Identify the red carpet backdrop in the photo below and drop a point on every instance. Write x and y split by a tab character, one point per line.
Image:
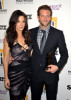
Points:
61	20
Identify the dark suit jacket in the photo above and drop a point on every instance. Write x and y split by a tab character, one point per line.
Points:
55	40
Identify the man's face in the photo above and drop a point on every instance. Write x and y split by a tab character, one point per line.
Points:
44	18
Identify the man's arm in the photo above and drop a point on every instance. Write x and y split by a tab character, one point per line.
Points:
63	55
63	51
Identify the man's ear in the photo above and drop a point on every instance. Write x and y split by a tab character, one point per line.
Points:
51	17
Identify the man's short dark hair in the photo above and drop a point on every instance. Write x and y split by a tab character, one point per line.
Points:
45	7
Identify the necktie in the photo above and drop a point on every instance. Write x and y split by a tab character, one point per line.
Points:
43	40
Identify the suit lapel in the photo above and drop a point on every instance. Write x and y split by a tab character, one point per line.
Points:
35	40
47	44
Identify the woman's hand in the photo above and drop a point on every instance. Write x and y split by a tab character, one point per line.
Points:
31	52
7	83
11	59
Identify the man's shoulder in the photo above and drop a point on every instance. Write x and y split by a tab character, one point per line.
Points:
33	29
55	29
58	33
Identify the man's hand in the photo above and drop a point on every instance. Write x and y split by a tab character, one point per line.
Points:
52	68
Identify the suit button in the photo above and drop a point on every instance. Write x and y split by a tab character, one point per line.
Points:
40	65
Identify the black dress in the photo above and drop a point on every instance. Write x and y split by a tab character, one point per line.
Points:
19	71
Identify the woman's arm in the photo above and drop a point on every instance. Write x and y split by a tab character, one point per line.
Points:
6	62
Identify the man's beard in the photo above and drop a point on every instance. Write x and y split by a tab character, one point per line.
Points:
45	25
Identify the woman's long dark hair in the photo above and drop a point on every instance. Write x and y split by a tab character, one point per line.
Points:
11	33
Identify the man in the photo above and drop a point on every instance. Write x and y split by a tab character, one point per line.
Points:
53	39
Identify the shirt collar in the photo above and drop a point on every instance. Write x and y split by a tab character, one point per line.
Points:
47	29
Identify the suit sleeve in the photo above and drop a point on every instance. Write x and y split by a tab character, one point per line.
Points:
62	50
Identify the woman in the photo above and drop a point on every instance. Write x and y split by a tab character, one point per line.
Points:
17	43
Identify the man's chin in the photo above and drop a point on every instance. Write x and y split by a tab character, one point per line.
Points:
45	25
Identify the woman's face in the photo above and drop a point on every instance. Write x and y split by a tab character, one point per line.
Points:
20	25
